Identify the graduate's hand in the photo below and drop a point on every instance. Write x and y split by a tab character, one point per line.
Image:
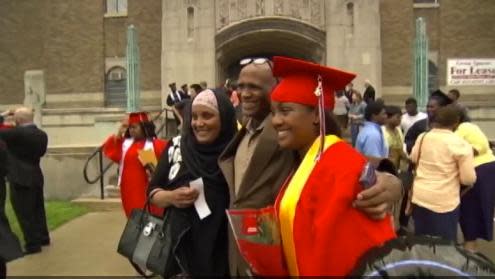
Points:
122	129
183	197
377	200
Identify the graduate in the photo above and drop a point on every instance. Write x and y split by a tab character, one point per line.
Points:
134	135
322	233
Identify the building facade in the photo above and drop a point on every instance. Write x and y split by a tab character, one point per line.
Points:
68	56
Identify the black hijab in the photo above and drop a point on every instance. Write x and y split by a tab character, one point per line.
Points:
202	159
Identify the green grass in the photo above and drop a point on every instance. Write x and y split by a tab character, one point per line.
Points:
57	214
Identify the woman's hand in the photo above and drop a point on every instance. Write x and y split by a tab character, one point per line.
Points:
181	197
122	129
377	200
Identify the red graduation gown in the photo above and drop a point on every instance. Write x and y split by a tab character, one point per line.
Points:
134	180
322	234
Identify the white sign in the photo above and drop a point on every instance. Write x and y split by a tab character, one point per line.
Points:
470	72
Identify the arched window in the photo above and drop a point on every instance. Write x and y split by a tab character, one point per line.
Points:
115	85
432	76
190	23
350	15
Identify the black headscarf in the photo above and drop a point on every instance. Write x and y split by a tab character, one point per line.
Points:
202	159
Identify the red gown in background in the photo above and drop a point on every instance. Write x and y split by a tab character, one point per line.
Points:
322	234
134	180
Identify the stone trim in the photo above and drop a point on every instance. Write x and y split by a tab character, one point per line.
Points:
276	23
114	15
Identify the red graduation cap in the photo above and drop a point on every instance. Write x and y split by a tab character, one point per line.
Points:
300	81
138	117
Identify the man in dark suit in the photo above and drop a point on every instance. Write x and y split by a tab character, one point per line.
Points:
255	166
26	144
369	93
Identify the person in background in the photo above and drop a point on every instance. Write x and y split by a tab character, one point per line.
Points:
203	85
412	115
369	92
317	220
6	119
341	108
184	88
393	136
135	134
477	205
370	141
454	95
26	145
175	100
356	115
349	91
194	90
437	100
444	162
201	248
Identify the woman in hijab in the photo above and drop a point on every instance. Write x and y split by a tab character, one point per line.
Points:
190	159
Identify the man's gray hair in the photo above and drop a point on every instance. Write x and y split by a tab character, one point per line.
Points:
24	115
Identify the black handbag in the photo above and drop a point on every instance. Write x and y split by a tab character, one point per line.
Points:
147	242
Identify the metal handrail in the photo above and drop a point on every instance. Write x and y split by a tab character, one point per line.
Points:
99	152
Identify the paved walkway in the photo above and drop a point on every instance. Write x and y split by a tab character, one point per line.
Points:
86	246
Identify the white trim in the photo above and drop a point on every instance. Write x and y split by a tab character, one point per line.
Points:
426	5
112	15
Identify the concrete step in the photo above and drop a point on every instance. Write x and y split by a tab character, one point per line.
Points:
96	204
112	191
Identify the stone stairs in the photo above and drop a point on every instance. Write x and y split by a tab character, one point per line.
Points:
110	203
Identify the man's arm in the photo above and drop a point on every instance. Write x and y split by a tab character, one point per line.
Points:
377	200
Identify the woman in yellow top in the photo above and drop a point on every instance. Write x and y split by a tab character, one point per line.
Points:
393	136
478	204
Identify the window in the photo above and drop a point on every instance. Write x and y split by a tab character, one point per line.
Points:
116	7
115	85
426	4
190	23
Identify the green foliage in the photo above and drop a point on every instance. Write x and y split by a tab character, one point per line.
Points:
57	214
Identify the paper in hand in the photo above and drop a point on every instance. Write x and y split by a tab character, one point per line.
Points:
200	204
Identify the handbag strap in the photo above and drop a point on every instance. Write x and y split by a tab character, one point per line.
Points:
419	152
419	157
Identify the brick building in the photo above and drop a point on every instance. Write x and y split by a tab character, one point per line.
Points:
79	46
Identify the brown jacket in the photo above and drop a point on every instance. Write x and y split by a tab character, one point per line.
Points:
267	171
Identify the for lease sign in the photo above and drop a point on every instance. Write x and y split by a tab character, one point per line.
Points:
471	71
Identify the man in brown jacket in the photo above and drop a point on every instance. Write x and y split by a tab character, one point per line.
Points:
255	167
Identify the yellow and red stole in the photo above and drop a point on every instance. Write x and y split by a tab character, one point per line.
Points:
322	234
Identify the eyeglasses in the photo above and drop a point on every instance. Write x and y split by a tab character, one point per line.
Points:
256	61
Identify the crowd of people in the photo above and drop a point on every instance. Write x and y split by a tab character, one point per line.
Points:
444	161
274	139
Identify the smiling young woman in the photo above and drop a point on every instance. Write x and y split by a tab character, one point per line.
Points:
322	233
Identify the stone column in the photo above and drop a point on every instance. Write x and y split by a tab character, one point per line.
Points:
353	40
187	59
34	93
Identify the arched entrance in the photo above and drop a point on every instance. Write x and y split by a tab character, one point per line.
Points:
266	37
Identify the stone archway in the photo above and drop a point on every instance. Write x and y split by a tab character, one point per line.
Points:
266	37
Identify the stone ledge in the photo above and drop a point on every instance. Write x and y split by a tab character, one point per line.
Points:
96	204
66	150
